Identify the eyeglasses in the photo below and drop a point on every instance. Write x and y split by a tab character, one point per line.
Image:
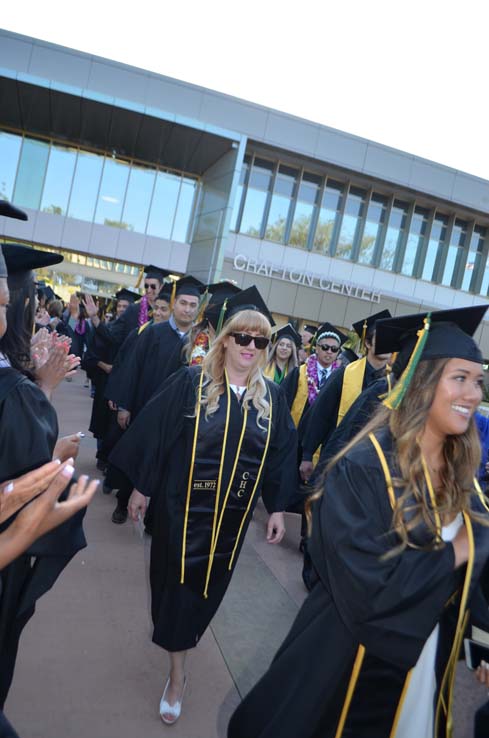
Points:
328	347
244	339
150	286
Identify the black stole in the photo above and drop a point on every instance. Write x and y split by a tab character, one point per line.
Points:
221	492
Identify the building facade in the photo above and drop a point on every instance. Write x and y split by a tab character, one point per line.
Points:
119	167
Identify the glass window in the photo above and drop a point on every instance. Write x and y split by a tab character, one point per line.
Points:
454	253
9	156
307	200
436	244
354	209
59	175
474	257
184	210
395	230
164	204
239	194
85	185
376	215
280	206
112	192
138	198
415	240
30	175
328	216
256	197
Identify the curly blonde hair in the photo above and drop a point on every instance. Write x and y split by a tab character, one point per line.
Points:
461	454
213	366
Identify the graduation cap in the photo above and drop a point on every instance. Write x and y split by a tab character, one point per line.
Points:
249	299
366	326
165	292
154	272
25	259
189	285
125	294
48	293
288	331
326	330
10	211
310	328
220	291
444	334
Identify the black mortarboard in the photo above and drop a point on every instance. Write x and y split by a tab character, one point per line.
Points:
165	292
125	294
310	328
328	330
443	334
154	272
220	291
10	211
288	331
25	259
365	326
48	292
249	299
189	285
3	266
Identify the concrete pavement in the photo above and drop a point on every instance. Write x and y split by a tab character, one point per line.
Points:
86	665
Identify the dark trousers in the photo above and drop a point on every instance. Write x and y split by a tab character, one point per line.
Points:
481	722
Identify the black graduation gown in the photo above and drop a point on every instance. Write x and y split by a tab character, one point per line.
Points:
388	606
146	366
155	453
28	433
321	421
98	350
116	332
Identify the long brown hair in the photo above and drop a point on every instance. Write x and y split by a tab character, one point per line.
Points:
292	361
213	365
461	455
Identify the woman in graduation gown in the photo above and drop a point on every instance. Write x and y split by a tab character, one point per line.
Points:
283	356
373	650
28	435
214	438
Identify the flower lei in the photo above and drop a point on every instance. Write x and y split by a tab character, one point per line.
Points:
200	349
313	378
143	316
81	327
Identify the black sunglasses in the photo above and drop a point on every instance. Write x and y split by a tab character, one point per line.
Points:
328	347
244	339
150	286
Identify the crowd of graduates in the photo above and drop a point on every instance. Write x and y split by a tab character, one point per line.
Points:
200	406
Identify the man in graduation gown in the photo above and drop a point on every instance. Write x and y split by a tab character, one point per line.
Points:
136	314
338	395
146	366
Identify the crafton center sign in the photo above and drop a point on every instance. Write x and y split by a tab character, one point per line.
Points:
244	263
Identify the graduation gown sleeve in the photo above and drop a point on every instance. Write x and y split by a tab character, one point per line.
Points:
389	605
289	386
142	450
279	481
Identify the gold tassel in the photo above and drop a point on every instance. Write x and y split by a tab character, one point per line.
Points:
394	399
173	294
364	336
140	278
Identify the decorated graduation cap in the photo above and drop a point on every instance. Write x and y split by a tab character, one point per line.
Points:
288	331
365	327
444	334
25	259
125	294
326	330
10	211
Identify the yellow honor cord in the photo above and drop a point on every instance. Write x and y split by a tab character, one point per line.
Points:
357	665
431	493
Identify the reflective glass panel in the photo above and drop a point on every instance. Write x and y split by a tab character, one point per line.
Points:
474	257
395	229
30	175
239	194
307	199
435	248
454	253
376	213
138	198
354	207
59	175
328	216
85	185
164	204
251	221
9	156
184	210
277	218
112	192
415	240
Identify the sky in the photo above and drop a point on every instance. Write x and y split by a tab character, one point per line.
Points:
409	75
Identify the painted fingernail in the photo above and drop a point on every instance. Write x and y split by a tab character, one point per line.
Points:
68	470
8	489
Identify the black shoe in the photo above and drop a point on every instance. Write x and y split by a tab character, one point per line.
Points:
106	489
119	515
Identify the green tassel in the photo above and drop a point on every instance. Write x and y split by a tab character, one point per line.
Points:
220	322
394	398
